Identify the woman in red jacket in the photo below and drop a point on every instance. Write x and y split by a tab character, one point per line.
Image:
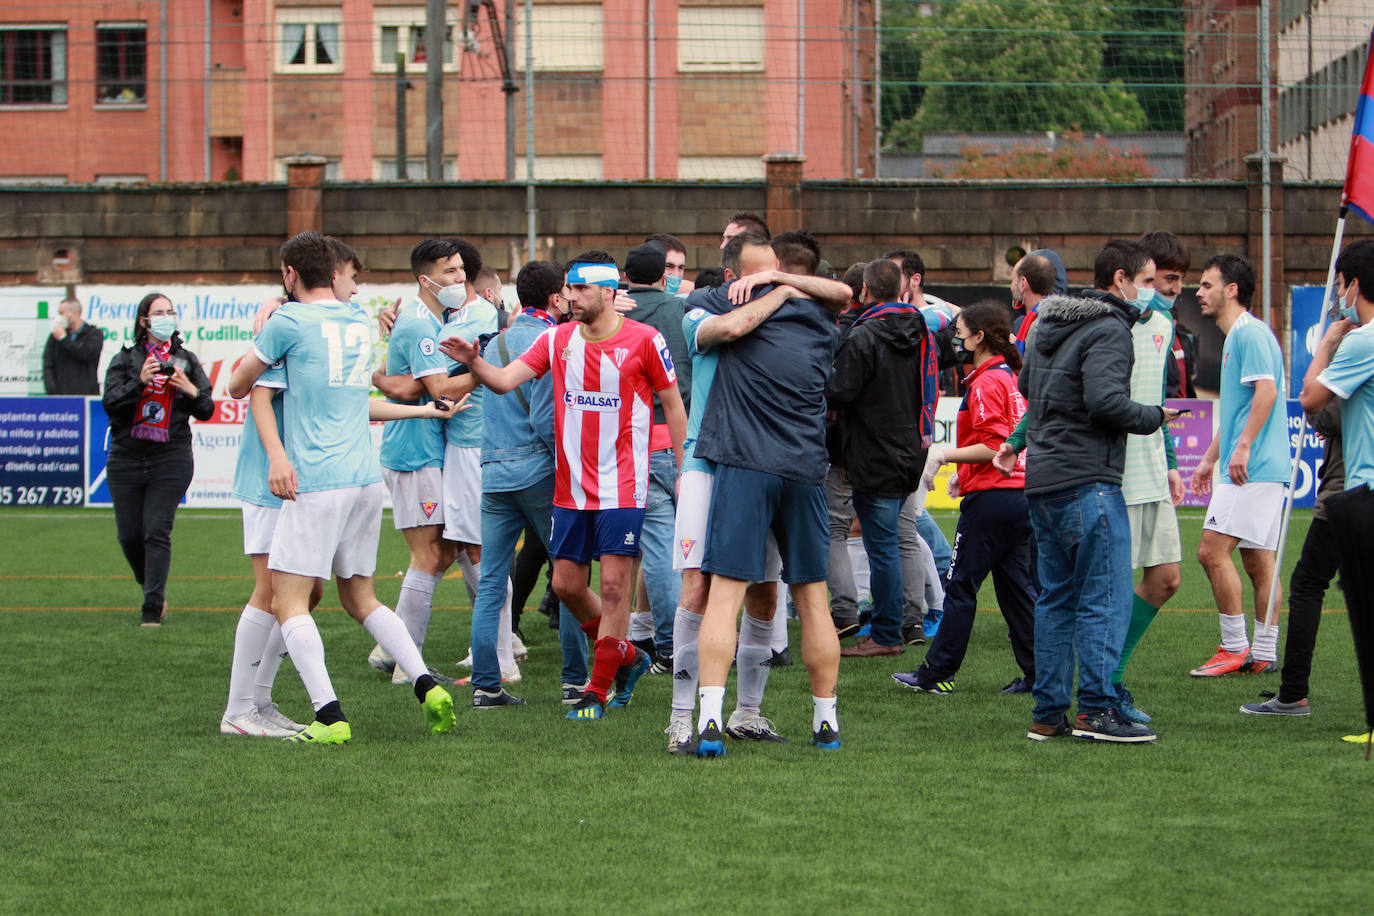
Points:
994	534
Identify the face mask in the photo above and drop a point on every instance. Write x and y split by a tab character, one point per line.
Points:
450	297
672	285
1144	295
961	351
1164	303
1348	311
162	326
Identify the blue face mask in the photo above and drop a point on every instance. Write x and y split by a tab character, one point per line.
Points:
1143	297
1163	303
162	326
672	284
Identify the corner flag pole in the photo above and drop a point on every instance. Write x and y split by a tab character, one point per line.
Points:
1270	607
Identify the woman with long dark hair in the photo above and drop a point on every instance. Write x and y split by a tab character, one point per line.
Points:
152	389
994	534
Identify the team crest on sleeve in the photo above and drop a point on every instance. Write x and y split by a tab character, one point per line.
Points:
666	355
427	346
687	544
697	314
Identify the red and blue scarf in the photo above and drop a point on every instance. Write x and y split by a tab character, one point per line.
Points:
153	420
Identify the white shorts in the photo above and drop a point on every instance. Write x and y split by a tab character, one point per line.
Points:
463	494
1154	534
689	527
329	532
417	497
1251	512
259	522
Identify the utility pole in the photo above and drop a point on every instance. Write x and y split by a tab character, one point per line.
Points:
436	15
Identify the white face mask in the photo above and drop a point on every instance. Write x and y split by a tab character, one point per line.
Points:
450	297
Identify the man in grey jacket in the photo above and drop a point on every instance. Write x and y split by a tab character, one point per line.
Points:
1076	381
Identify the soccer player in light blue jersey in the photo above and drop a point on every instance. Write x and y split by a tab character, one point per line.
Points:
1246	508
327	474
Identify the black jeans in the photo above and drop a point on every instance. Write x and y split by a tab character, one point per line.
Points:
145	493
1351	516
1311	577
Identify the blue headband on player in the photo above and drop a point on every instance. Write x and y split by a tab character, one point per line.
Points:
584	274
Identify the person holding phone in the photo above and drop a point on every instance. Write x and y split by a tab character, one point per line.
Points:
152	390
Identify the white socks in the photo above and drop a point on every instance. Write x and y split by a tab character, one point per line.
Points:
505	649
1266	648
1233	632
250	639
272	656
858	559
394	639
471	574
823	710
712	699
303	641
416	603
751	661
778	642
686	628
641	626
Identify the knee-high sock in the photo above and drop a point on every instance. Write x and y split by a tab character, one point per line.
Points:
752	662
686	627
250	638
303	641
610	654
778	641
505	649
471	574
395	640
641	626
416	603
858	559
1142	615
272	655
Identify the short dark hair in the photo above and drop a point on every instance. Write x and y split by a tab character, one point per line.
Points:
910	260
993	318
472	258
1118	254
1038	273
883	279
594	256
751	222
1166	250
537	281
798	252
708	277
343	254
854	279
312	256
729	255
1356	263
430	252
1235	269
669	242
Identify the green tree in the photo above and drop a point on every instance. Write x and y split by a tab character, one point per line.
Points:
1144	50
1013	65
901	62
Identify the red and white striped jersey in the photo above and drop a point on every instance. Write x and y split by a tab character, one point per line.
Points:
603	408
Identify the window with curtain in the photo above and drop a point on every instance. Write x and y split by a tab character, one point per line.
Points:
308	40
402	29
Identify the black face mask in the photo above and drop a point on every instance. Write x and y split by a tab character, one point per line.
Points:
962	355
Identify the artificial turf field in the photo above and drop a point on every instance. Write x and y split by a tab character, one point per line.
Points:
120	795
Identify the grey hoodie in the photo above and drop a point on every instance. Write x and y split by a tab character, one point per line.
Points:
1077	380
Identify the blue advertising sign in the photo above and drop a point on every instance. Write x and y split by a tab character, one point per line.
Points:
97	454
1309	458
1305	313
41	445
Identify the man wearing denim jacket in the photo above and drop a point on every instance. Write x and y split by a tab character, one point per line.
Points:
517	487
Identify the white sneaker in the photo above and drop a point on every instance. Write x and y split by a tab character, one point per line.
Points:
511	675
252	724
681	737
378	659
467	659
399	676
272	713
751	727
517	646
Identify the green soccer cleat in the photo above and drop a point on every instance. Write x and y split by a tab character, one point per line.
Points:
439	711
319	733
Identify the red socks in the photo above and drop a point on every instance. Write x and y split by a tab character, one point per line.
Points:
609	654
591	626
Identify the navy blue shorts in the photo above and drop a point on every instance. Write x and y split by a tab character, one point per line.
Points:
745	506
582	535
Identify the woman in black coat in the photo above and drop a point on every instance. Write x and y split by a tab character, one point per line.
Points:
152	389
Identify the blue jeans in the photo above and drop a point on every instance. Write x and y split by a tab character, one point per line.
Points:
1084	608
663	583
504	516
937	542
878	516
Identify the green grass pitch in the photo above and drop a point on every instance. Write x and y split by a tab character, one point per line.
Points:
119	794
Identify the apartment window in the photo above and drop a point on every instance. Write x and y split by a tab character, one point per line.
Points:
33	65
121	63
563	37
308	40
416	168
719	39
401	30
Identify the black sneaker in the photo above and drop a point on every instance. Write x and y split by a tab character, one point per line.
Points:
1106	725
914	636
1020	685
1044	731
781	659
572	693
845	628
826	738
663	663
483	700
645	645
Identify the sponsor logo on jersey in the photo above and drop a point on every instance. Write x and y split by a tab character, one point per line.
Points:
427	346
696	314
428	506
597	401
666	355
619	356
687	544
